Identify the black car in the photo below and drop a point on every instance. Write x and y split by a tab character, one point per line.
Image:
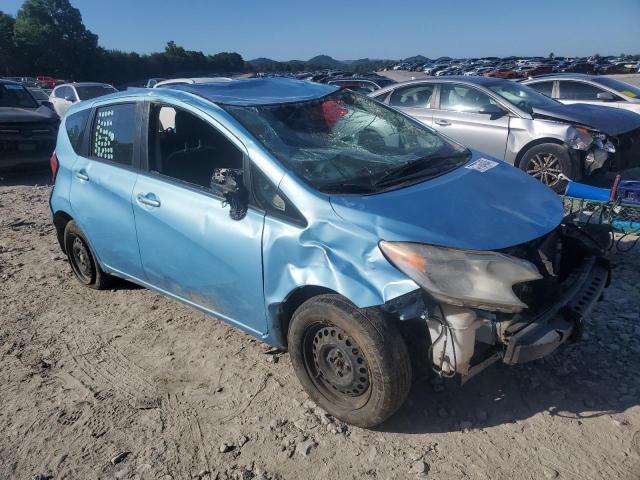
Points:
578	67
28	129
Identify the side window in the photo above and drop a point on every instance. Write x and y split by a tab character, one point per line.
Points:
75	125
60	92
114	128
418	96
271	200
546	88
186	148
459	98
578	91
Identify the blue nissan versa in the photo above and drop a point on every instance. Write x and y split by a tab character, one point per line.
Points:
324	222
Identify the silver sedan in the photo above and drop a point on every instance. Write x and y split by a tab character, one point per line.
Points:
515	123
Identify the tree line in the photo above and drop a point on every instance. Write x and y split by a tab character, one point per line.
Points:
48	37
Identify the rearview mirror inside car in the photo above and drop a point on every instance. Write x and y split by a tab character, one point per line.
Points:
605	97
228	183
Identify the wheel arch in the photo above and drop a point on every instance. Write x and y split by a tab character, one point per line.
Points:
538	141
60	221
282	312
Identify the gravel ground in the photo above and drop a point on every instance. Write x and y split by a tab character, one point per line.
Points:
129	384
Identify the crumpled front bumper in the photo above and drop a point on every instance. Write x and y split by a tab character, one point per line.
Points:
564	319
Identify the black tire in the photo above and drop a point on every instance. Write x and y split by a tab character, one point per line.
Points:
352	362
83	262
545	161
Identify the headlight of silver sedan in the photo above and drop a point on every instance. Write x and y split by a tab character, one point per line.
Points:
465	278
579	138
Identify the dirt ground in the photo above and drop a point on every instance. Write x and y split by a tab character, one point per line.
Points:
129	384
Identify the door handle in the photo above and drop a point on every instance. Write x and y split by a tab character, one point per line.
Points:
149	199
82	175
442	122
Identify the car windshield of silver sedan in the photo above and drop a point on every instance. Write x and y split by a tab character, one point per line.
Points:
16	96
523	97
348	143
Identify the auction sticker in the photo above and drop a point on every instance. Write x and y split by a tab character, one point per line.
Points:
482	165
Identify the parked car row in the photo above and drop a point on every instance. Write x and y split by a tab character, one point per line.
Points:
521	67
361	222
513	122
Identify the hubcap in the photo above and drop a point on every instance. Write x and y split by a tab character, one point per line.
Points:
545	167
339	362
81	259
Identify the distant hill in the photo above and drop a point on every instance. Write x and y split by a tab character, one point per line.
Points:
416	59
325	60
319	61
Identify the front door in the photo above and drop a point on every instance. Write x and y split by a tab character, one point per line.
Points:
190	246
459	117
101	188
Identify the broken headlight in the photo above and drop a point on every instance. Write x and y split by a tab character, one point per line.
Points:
465	278
579	138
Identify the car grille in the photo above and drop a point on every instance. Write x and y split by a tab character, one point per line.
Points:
627	153
27	140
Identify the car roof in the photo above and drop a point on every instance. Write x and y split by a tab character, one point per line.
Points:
453	78
563	76
257	91
5	81
84	84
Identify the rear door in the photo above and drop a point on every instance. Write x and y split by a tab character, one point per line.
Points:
102	182
190	246
415	100
571	91
458	116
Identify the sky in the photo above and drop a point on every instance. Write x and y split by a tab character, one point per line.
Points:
347	30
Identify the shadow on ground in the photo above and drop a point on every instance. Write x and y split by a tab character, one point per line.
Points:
30	178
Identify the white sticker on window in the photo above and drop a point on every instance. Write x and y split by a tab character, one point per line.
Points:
482	165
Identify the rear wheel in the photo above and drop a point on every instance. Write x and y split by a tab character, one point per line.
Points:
352	362
83	263
546	162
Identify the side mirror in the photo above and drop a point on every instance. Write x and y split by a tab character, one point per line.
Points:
48	104
490	109
605	97
227	182
69	98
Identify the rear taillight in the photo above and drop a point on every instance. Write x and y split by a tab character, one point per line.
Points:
53	161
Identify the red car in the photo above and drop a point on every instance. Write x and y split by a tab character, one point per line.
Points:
48	82
539	70
502	73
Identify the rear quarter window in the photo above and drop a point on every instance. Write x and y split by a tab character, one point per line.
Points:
75	125
113	133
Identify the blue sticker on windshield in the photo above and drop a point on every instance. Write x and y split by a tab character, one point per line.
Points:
482	165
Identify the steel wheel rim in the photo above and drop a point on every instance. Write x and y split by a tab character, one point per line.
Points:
336	365
545	167
81	260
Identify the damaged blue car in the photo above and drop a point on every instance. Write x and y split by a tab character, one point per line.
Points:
322	222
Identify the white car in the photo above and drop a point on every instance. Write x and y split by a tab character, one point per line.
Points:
591	89
65	95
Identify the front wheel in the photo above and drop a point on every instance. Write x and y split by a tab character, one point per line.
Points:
352	362
546	162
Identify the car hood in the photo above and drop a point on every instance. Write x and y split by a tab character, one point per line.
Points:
464	208
41	114
609	120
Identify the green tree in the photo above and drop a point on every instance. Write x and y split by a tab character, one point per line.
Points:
6	43
52	39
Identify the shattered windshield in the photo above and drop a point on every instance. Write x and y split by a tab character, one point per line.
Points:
522	96
346	143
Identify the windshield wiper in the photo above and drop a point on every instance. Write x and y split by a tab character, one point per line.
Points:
347	187
400	171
